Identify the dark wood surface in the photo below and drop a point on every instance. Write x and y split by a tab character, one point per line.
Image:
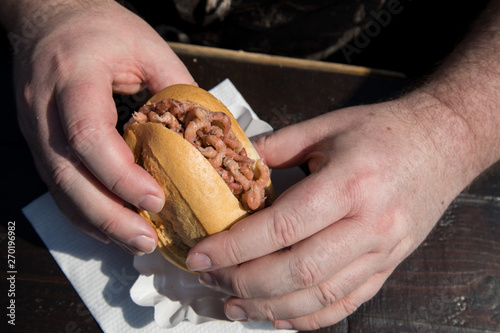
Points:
450	284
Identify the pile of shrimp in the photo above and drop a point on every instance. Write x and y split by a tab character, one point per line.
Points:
208	132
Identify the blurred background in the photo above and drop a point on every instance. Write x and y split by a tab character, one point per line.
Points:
399	35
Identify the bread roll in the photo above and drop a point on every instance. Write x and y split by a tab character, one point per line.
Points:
199	202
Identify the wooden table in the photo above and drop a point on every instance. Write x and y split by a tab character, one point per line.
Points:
450	284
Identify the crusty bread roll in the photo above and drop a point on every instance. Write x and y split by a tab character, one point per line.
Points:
198	201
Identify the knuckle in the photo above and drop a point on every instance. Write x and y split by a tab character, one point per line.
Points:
269	312
333	314
62	173
312	322
286	227
240	287
393	234
326	295
232	251
305	272
348	305
83	135
384	224
119	179
109	225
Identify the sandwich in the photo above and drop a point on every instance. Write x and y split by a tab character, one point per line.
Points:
211	174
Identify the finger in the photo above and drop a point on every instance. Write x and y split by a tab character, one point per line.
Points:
339	310
67	208
165	68
71	212
81	197
310	300
302	266
91	207
297	214
278	152
88	117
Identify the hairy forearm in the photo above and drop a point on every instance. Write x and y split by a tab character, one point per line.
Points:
466	87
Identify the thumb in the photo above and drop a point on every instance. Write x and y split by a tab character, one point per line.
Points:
164	68
292	145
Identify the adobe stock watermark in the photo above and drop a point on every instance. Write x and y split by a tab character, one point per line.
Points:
11	273
380	19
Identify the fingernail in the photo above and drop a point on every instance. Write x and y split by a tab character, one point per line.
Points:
198	262
151	203
207	280
283	325
236	313
143	244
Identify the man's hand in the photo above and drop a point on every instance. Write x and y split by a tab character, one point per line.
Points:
65	78
381	176
377	186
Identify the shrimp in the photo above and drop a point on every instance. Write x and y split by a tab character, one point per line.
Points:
178	109
208	133
225	175
166	118
232	143
234	167
252	199
208	152
217	161
146	108
245	170
215	142
235	188
235	156
137	117
140	117
196	113
222	118
217	131
264	174
193	127
162	107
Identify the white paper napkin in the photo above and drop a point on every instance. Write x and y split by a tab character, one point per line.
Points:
153	296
